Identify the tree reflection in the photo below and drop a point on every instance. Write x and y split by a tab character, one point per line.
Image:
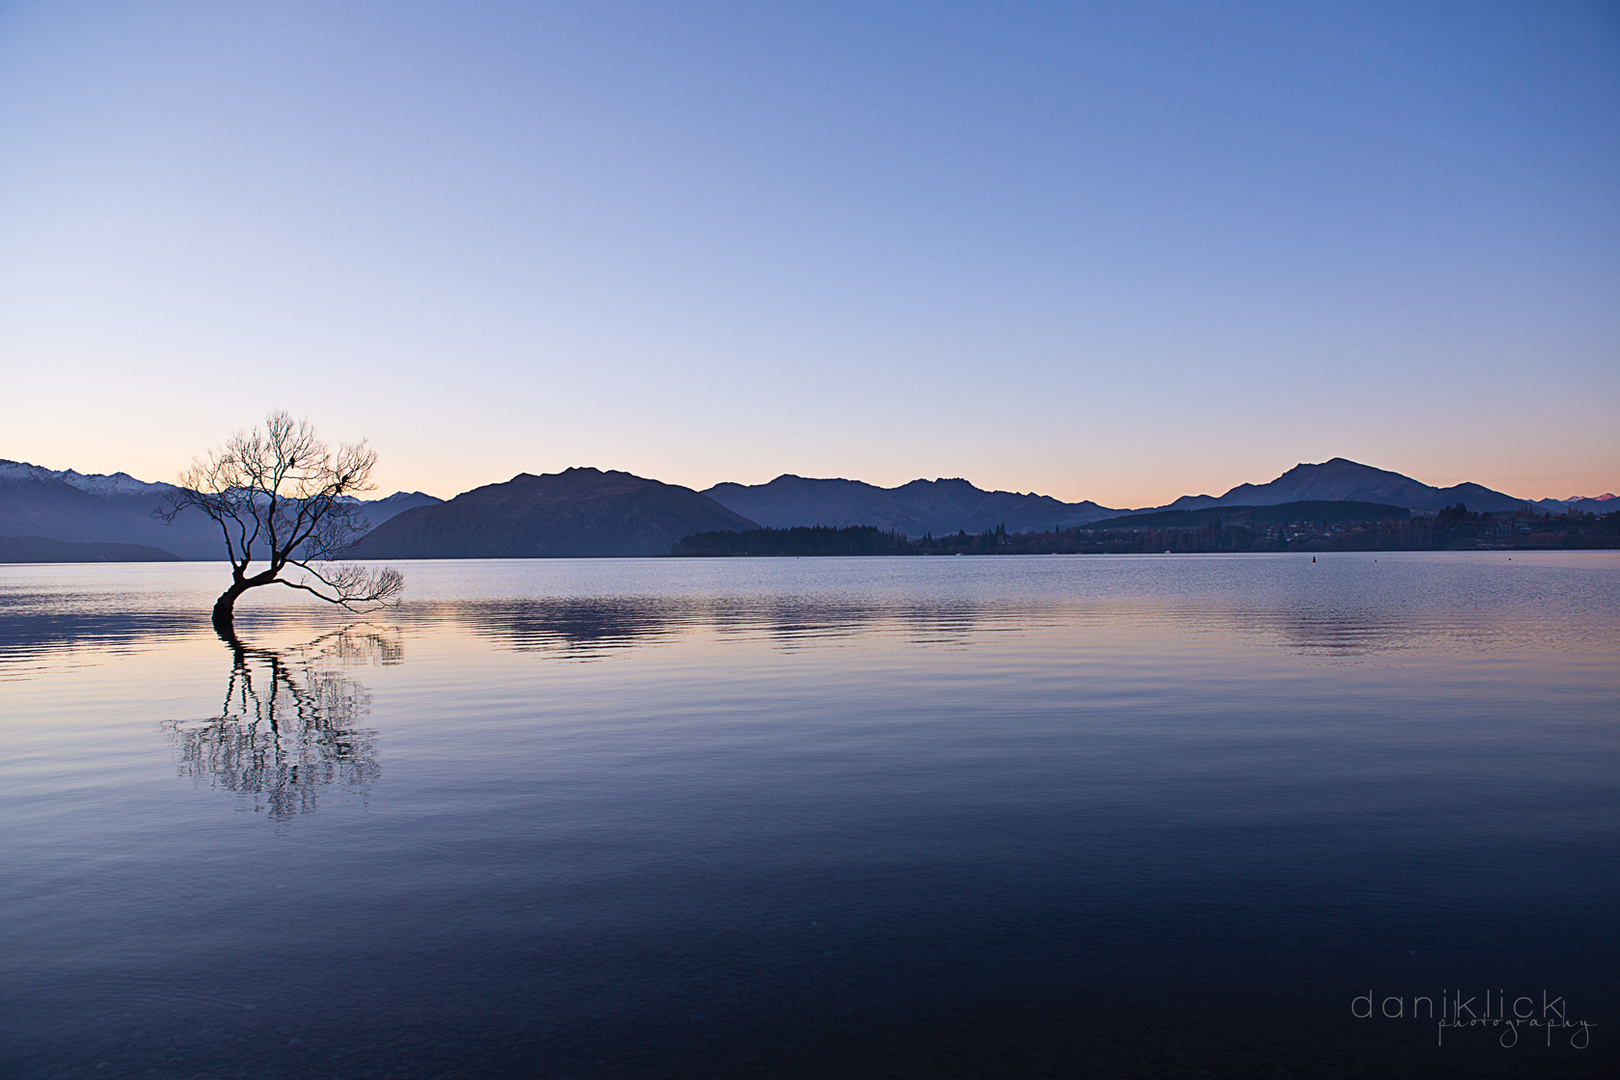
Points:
288	729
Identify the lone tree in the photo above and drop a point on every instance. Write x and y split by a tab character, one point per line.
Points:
283	499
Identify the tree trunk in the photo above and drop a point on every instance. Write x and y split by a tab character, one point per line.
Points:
225	611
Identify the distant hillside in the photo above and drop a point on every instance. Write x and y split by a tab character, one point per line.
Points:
1328	512
1592	504
1341	480
378	511
941	507
71	507
579	513
799	540
922	506
37	549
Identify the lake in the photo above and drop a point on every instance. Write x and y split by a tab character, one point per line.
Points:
1117	816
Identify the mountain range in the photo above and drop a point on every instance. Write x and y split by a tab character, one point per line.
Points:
70	507
922	506
588	512
945	506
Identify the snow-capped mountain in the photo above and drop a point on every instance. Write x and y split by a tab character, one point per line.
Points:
1591	504
73	507
117	485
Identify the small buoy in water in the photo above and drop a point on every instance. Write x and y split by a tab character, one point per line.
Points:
1313	558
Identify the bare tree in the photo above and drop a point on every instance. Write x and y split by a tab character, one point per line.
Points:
284	499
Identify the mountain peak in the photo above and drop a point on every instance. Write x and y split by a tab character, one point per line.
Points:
1342	480
579	512
940	506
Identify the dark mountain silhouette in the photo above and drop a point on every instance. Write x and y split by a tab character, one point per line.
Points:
37	549
1342	480
588	512
580	513
947	506
799	540
922	506
74	508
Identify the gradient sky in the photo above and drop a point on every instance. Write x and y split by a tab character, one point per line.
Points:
1119	252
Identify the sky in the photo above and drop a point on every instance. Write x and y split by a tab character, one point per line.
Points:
1120	252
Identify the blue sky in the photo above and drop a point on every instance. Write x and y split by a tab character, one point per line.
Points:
1119	252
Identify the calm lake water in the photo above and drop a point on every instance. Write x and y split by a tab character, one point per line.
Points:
853	817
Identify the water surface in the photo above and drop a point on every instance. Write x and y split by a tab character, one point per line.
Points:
932	817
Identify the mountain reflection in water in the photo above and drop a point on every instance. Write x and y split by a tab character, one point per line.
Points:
588	628
594	628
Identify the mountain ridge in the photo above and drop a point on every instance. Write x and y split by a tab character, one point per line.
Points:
943	505
577	513
1342	480
65	506
78	508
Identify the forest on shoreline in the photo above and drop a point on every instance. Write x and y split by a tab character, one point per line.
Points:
1215	530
